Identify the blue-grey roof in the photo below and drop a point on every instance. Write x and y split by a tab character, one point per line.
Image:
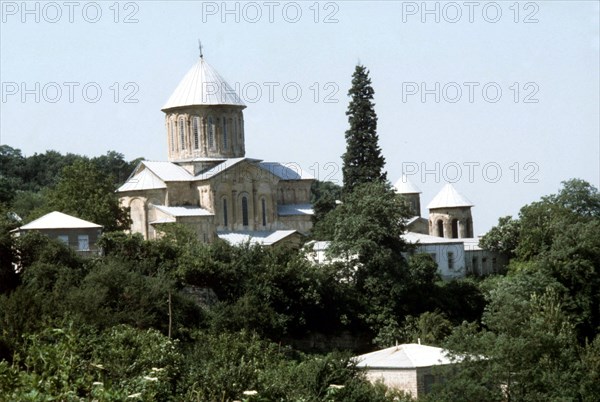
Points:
295	209
287	171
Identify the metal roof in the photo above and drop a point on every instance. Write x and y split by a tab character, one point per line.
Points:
413	237
203	85
168	171
448	197
265	238
404	186
144	180
288	171
407	356
295	209
215	170
58	220
184	210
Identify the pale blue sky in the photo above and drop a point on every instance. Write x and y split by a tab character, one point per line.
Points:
554	61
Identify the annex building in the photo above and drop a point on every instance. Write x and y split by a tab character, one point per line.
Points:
208	182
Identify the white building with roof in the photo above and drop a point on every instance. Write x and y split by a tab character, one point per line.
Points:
79	234
208	183
408	367
450	214
447	234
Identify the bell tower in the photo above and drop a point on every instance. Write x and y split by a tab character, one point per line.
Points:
450	214
203	117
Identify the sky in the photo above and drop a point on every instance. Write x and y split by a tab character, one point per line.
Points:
501	99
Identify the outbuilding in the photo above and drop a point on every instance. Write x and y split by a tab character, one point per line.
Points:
409	367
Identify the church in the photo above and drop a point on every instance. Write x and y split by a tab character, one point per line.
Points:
208	182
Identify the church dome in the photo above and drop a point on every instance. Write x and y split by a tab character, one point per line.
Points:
448	197
405	186
203	86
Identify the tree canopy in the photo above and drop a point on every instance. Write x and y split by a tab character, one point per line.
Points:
362	161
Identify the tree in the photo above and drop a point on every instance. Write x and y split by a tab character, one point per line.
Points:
86	192
368	235
503	238
527	350
363	161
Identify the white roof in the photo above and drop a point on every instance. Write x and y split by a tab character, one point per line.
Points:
288	171
413	237
168	171
295	209
155	175
184	210
144	180
58	220
410	355
448	197
265	238
405	186
203	85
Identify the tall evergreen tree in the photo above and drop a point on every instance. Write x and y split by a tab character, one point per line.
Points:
363	161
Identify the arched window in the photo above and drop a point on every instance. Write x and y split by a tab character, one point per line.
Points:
263	204
211	132
224	211
244	211
225	139
239	129
455	228
195	125
172	127
234	139
440	228
182	133
469	227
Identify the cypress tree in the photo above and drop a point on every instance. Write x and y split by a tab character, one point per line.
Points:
363	161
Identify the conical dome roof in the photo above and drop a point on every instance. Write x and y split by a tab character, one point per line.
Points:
405	186
448	197
203	85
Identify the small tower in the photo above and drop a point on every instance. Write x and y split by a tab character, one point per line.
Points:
450	214
203	117
411	193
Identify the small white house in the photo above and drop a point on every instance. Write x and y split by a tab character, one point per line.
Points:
76	233
449	254
408	367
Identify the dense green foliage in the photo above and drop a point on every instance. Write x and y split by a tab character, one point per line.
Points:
362	161
78	329
243	320
538	337
77	185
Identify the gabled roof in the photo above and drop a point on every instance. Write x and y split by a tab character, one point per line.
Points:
295	209
203	85
404	186
221	167
264	238
410	355
154	175
168	171
144	180
58	220
448	197
289	171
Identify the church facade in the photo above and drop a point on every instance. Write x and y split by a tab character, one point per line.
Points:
208	183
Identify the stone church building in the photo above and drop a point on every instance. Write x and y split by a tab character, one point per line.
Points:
208	183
